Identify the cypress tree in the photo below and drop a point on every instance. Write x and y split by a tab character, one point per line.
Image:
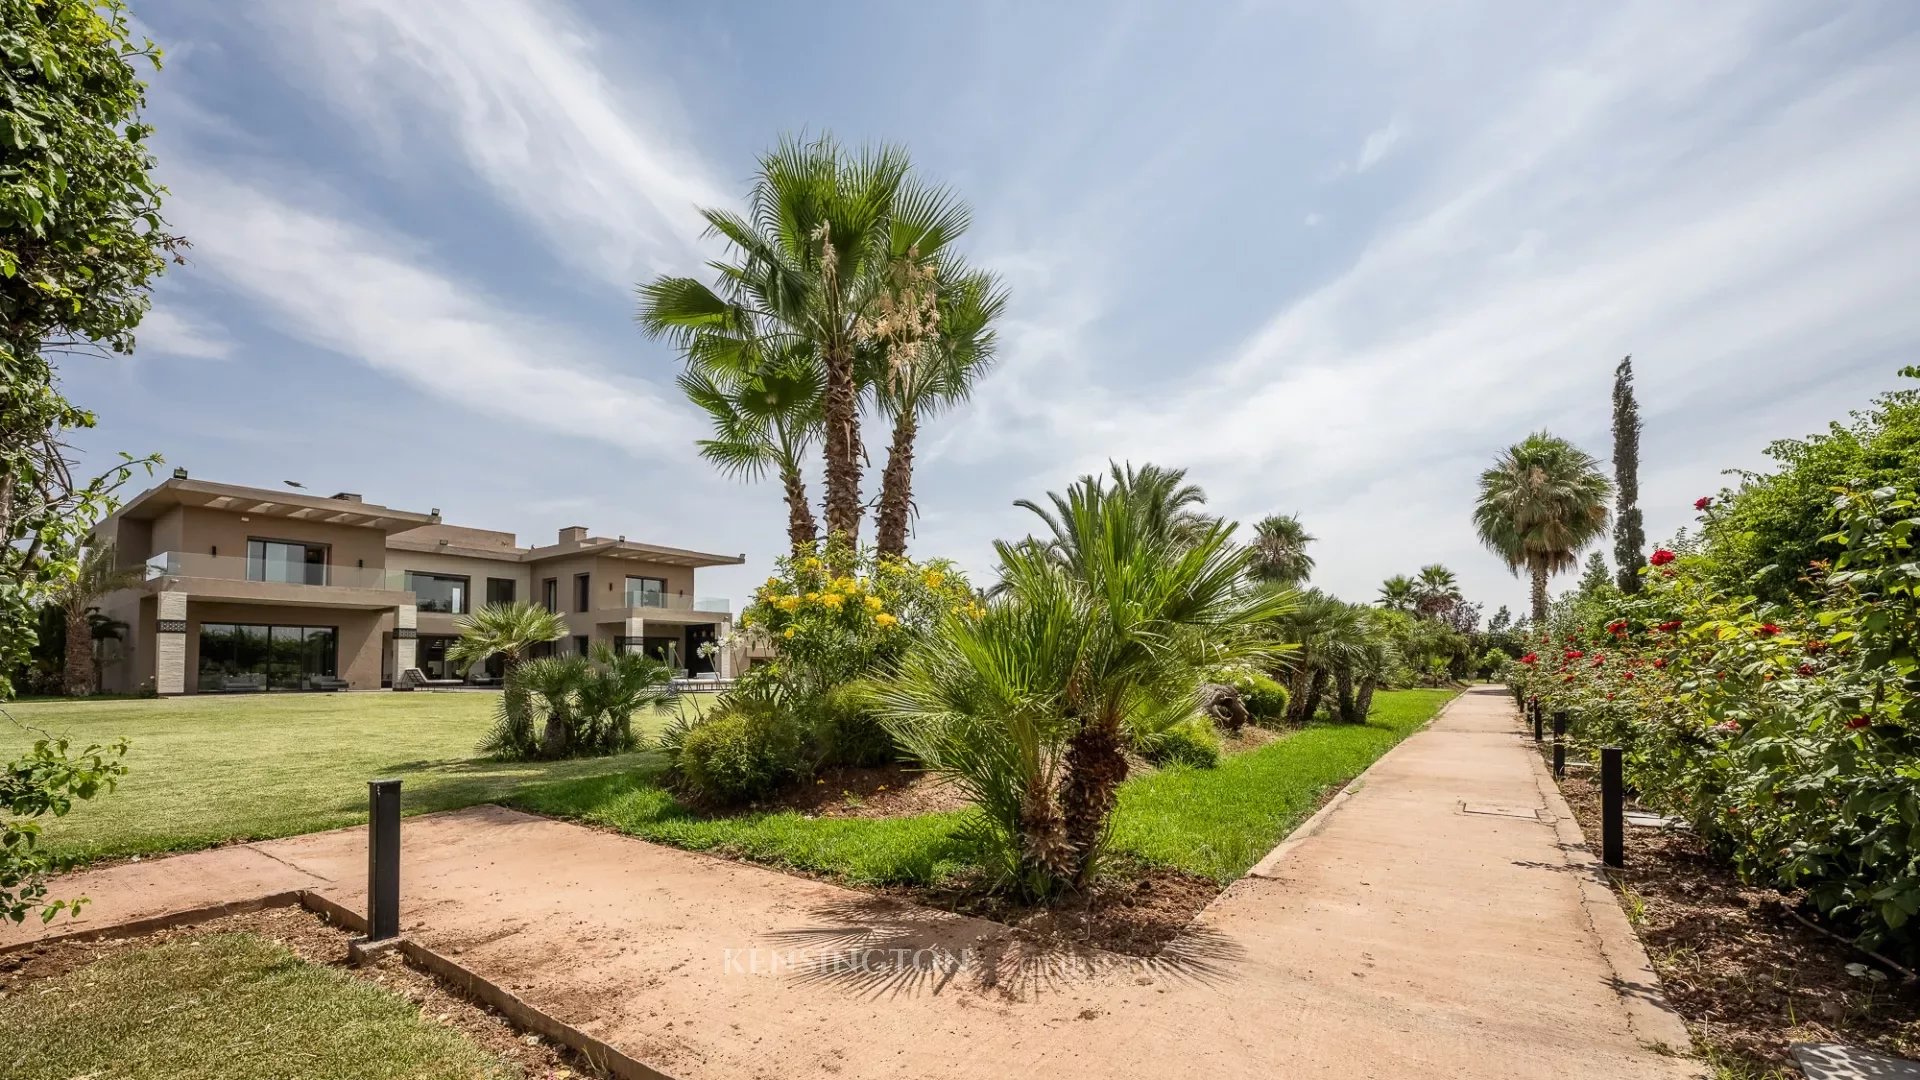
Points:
1629	538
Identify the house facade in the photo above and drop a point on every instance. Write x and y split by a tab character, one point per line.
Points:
255	589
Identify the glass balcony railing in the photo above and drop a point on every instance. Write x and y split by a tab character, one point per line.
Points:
647	598
184	564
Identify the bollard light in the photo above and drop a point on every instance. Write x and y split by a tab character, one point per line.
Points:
383	860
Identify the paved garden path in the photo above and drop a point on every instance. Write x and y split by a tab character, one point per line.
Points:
1437	920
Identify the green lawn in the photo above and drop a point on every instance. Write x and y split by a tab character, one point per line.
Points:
225	1007
1213	822
203	770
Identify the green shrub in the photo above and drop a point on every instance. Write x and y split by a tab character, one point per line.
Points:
743	750
1191	742
846	731
1266	699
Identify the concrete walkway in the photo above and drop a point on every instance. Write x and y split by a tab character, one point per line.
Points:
1438	920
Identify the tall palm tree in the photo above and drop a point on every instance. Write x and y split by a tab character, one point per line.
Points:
911	385
1436	591
765	418
1398	593
816	264
94	577
508	630
1280	550
1541	503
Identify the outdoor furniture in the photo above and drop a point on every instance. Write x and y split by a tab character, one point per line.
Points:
250	683
327	682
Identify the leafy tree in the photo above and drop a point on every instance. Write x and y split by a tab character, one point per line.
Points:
837	257
95	576
1629	535
1543	501
582	706
1436	591
80	239
916	382
765	417
1597	575
1763	535
506	630
47	780
1026	705
1280	550
1398	593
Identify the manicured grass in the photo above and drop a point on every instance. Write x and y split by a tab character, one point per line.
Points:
225	1007
203	770
1213	822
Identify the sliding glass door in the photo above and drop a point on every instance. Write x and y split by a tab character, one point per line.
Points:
286	562
246	656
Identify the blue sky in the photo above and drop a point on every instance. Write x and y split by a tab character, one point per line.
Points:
1331	258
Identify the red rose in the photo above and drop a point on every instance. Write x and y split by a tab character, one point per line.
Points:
1659	661
1618	628
1660	557
1766	629
1858	722
1628	675
1574	654
1530	658
1806	669
1609	697
1703	502
1598	660
1669	626
1815	645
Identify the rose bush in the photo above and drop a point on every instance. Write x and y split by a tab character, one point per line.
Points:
1783	732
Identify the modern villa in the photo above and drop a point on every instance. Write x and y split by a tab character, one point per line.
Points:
255	589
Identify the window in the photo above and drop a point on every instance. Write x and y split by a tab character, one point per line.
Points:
238	656
444	593
550	594
286	562
499	590
582	594
582	645
646	592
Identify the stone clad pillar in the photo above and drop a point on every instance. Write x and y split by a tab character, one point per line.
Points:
633	637
723	654
406	631
170	643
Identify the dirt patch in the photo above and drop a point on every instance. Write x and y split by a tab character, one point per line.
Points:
1250	737
318	942
1136	910
1747	977
883	791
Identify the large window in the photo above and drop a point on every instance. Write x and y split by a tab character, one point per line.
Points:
582	592
444	593
243	656
646	592
286	562
550	594
499	590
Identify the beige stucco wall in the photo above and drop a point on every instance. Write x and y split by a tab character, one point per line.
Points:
201	531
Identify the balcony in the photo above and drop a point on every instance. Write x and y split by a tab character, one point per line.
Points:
266	581
646	603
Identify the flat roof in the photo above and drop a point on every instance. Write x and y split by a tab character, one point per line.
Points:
631	549
267	502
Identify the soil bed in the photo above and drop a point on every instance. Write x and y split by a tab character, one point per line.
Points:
317	942
881	791
1745	975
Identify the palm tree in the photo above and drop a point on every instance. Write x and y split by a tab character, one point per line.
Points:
1436	591
508	630
1398	593
1026	707
1329	633
92	578
1280	550
912	385
1165	505
1541	503
765	418
818	261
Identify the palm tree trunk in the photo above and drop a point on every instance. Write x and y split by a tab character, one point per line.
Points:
842	407
802	530
1364	701
1343	695
1539	596
1095	768
1297	682
1315	691
77	677
896	486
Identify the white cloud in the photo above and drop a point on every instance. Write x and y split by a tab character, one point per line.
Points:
1312	219
344	287
1726	225
1378	145
518	90
168	331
